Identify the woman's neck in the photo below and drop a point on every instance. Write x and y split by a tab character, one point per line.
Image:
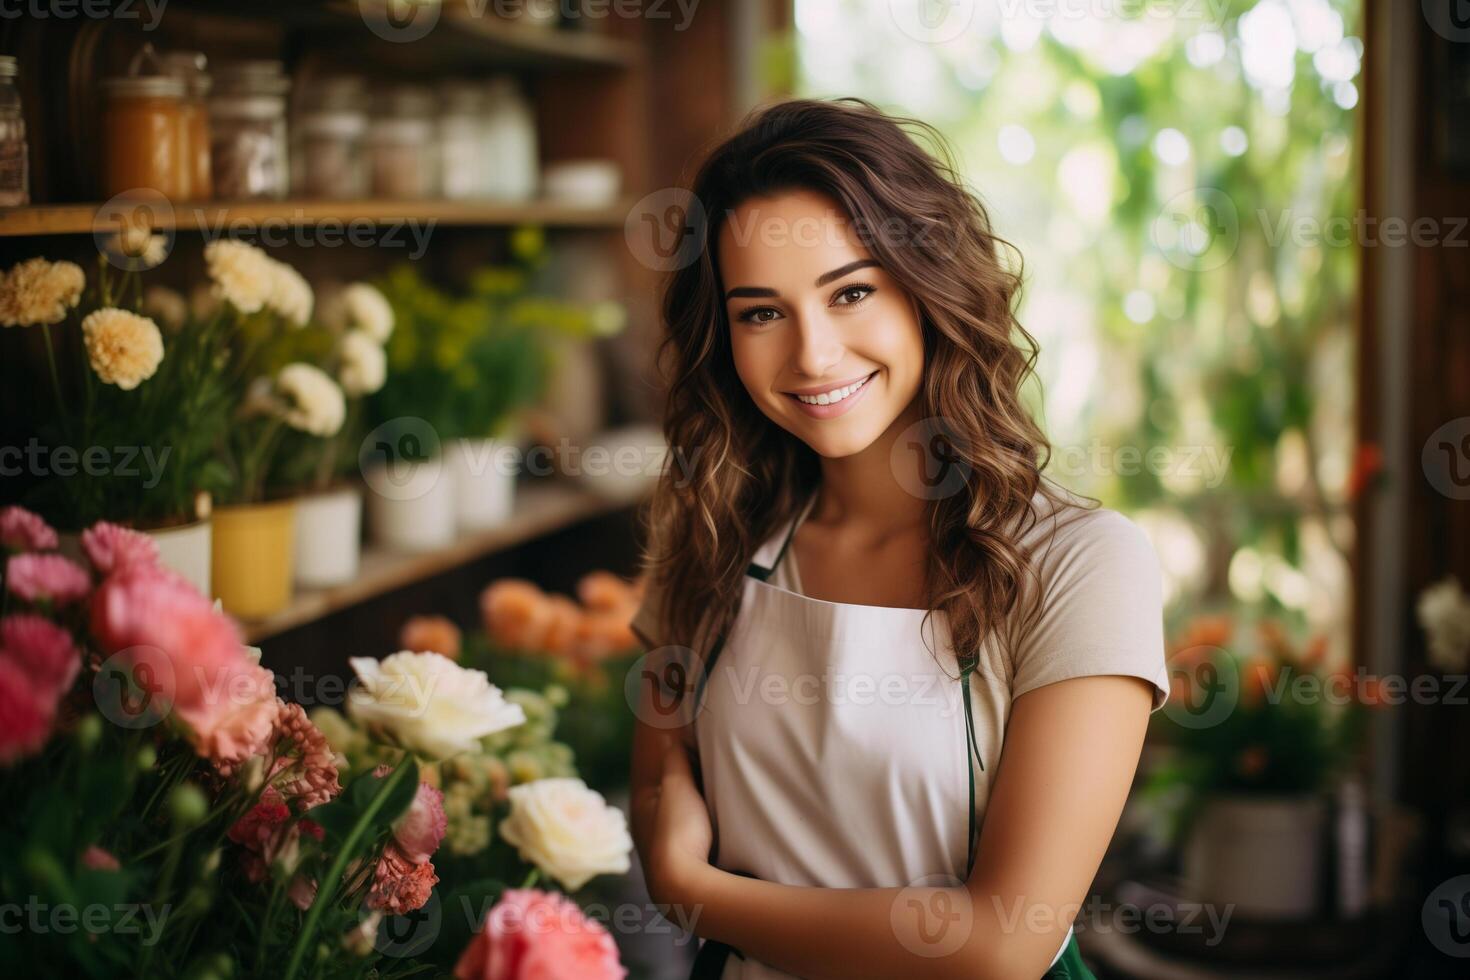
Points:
865	494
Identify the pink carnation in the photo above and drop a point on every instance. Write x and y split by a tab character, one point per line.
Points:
303	766
20	530
46	578
235	719
267	832
531	935
189	655
25	712
420	830
43	650
400	885
110	547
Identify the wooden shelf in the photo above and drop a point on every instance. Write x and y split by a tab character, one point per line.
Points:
540	509
219	218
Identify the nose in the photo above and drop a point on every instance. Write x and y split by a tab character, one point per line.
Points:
819	345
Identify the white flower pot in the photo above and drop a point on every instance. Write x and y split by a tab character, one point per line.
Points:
1260	854
184	548
484	474
328	537
411	505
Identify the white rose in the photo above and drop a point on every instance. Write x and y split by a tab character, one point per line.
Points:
567	830
429	704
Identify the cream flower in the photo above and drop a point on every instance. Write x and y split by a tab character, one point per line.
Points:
167	307
38	291
310	400
567	830
1444	612
137	247
290	294
124	348
242	274
360	307
429	704
364	365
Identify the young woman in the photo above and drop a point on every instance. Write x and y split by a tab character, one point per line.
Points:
873	624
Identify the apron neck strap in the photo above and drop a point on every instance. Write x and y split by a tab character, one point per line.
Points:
757	570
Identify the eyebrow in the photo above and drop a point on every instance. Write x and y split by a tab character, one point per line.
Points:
822	280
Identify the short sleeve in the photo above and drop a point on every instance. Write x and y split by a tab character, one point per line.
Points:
1101	594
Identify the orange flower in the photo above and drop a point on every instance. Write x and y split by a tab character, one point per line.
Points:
1257	676
605	592
430	634
1315	655
516	613
1367	464
564	615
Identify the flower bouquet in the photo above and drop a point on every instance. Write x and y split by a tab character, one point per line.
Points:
137	402
169	815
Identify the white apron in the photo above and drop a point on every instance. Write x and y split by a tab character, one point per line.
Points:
833	746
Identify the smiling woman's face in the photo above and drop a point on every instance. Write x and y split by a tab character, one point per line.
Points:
826	342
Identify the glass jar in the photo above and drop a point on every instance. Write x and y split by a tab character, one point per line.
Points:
462	142
512	161
402	145
15	183
189	68
142	136
247	120
328	157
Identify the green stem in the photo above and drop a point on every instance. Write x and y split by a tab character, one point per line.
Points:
326	891
531	878
165	882
55	374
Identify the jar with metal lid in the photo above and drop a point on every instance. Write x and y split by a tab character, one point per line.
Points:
462	172
247	119
329	139
189	67
15	183
142	136
402	145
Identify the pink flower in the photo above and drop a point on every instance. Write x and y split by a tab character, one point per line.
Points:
420	830
20	530
43	650
536	935
302	754
400	885
188	655
110	547
46	578
235	718
97	859
25	713
268	834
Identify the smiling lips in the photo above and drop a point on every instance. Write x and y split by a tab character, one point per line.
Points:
829	402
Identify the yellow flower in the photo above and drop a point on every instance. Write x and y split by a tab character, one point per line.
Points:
38	291
124	348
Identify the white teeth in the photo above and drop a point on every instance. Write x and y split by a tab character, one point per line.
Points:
835	395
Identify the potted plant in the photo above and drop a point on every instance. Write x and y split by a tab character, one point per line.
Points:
1258	733
265	302
346	341
137	396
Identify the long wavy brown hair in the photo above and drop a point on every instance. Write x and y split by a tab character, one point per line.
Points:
735	476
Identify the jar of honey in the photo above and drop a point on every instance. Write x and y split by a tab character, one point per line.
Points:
189	67
143	144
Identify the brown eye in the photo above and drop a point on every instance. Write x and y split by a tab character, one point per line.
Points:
858	290
754	315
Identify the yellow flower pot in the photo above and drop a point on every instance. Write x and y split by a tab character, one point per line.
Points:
252	562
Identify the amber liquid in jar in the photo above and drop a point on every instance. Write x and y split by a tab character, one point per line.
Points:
143	142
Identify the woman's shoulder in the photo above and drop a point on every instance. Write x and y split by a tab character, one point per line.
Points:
1068	530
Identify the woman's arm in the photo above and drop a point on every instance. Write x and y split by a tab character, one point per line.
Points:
650	742
1069	757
